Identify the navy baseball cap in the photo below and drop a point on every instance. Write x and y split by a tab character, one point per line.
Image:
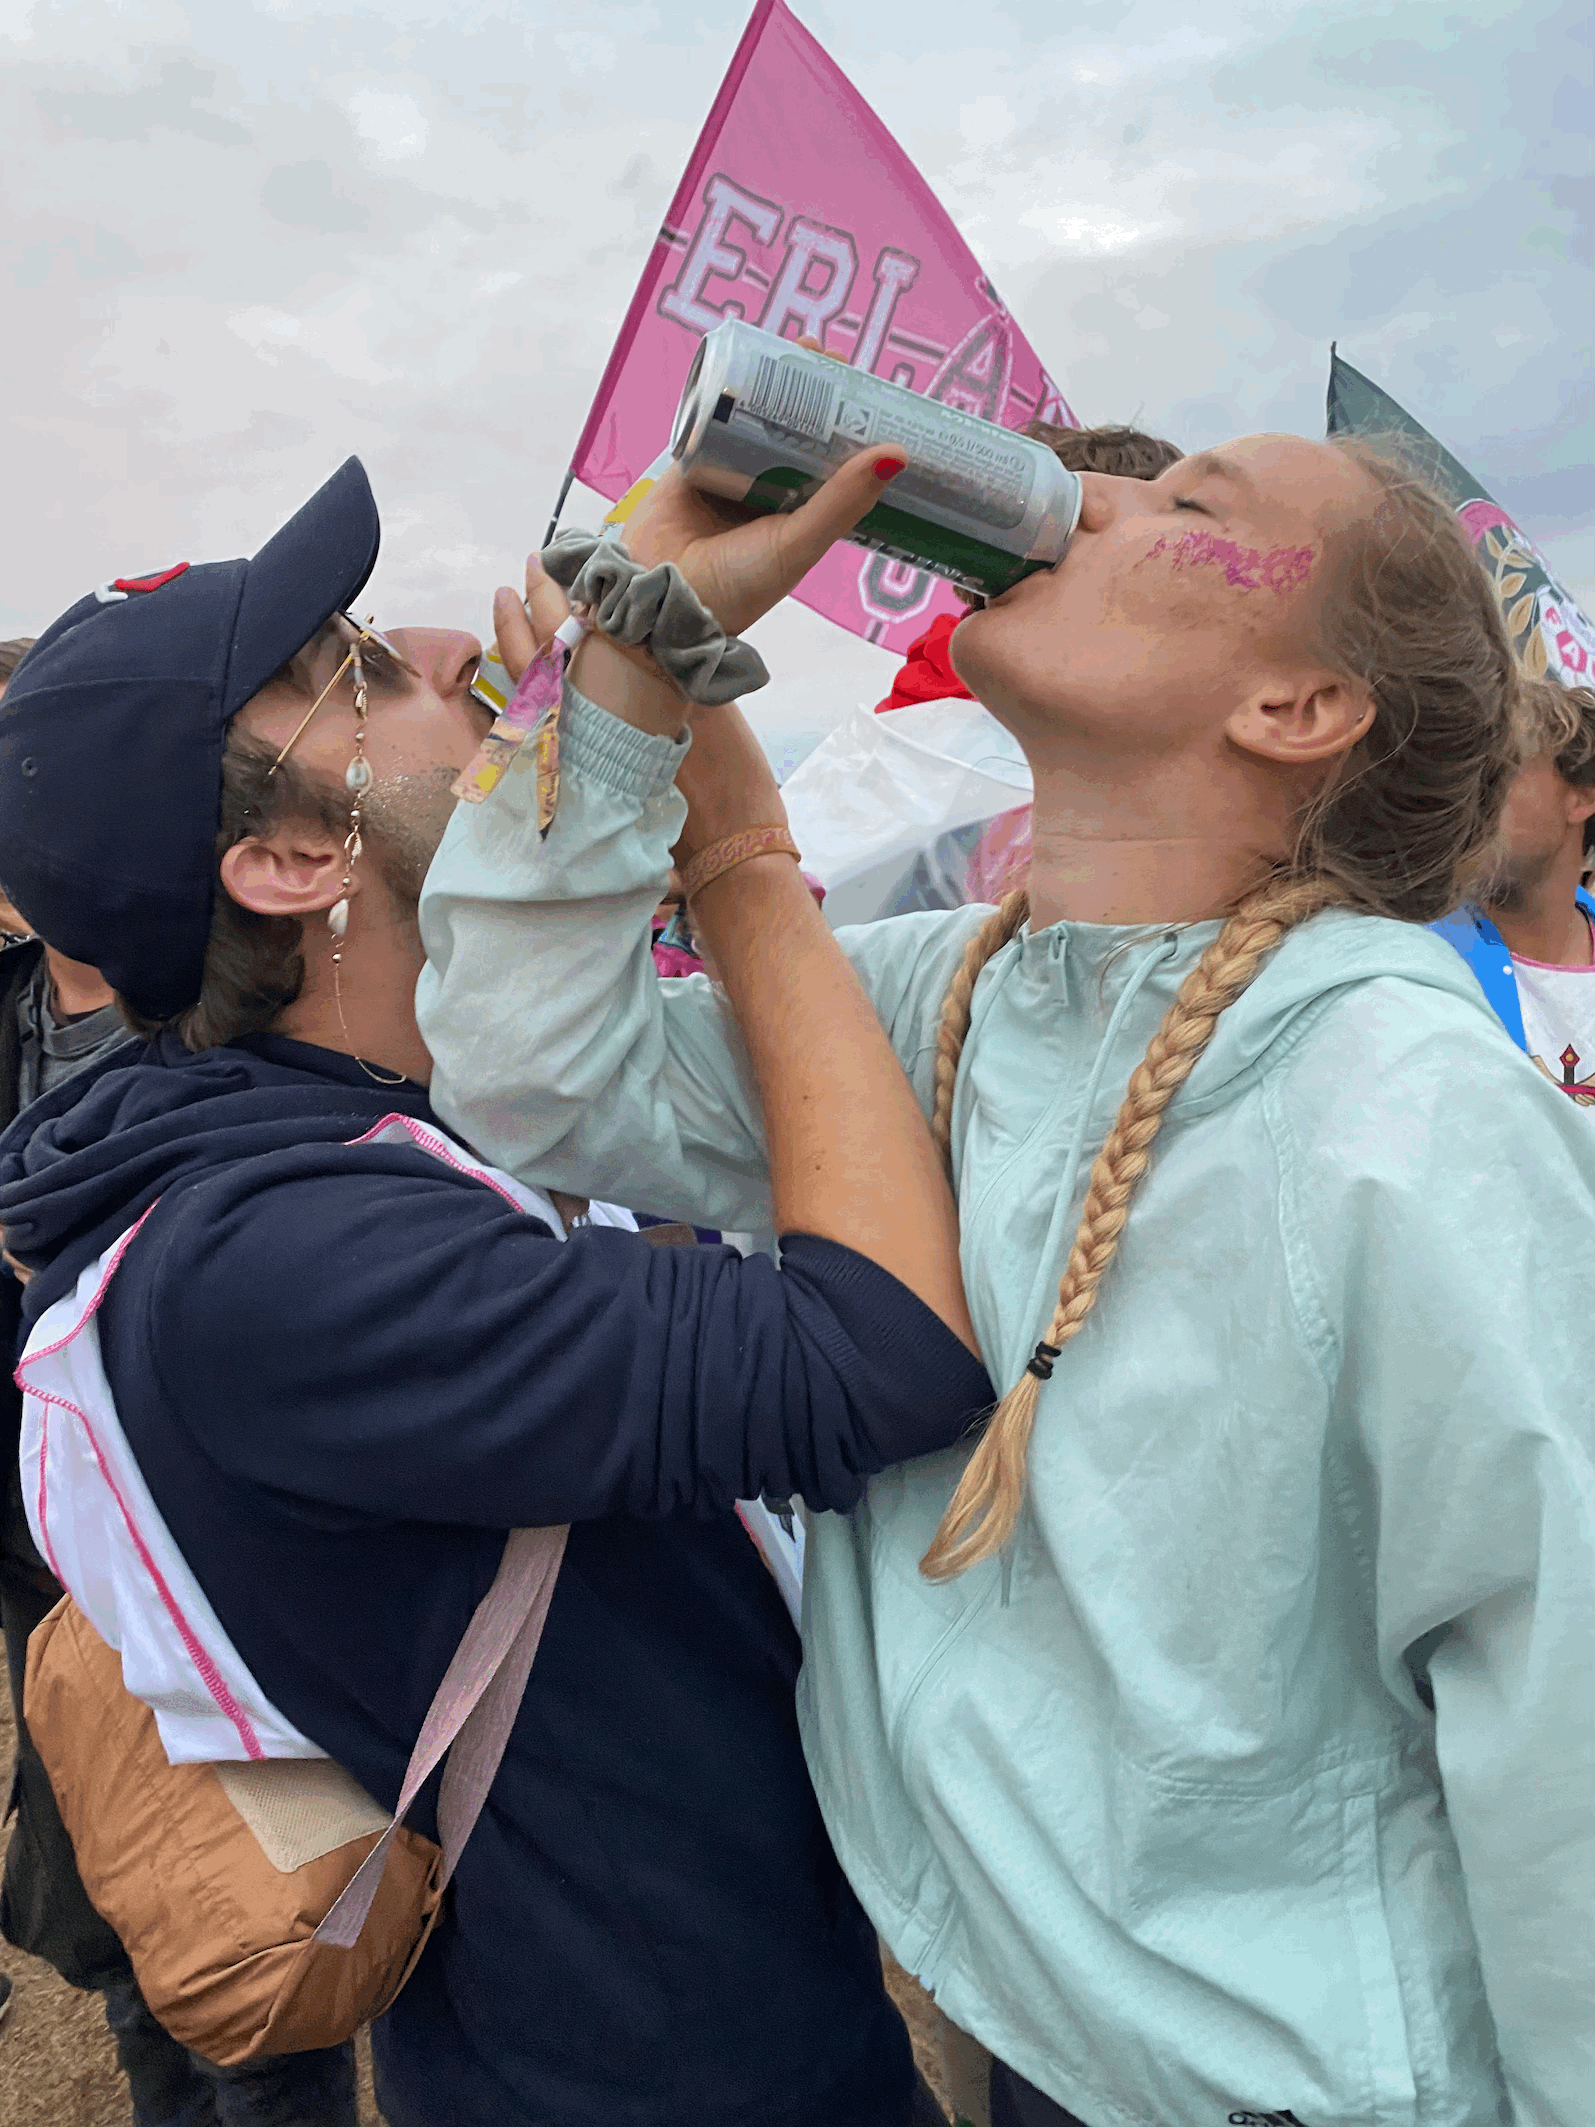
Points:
111	737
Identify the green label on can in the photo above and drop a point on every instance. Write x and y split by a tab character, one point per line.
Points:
961	556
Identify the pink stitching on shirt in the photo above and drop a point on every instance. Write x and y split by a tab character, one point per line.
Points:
48	1352
212	1677
44	1525
113	1264
215	1683
439	1149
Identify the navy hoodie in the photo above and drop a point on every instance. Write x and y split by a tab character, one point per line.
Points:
346	1372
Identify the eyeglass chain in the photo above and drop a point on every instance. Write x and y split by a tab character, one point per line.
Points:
357	777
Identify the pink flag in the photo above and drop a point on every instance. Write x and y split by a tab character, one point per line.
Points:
800	212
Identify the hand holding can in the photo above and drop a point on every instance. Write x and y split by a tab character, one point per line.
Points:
764	421
742	564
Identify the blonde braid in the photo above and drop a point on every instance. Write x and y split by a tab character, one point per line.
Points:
981	1514
957	1005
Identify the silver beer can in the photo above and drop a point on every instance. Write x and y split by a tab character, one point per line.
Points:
763	422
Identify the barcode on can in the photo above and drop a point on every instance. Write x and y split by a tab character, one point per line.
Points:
792	397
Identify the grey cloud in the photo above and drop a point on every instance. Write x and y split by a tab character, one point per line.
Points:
170	103
231	285
311	195
86	254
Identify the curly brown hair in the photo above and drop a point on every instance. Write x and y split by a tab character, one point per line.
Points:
11	655
1129	453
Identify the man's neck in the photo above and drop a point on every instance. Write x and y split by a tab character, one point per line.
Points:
1544	922
75	988
377	977
1145	853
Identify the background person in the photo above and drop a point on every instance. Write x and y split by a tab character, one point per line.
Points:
1118	1717
1529	938
346	1364
59	1021
56	1018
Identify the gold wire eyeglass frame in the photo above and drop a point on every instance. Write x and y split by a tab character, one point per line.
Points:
365	637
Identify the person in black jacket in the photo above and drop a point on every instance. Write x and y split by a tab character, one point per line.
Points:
43	1908
345	1363
58	1020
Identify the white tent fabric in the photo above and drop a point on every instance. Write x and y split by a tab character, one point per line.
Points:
874	804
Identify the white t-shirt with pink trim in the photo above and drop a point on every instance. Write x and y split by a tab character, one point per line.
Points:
1559	1022
96	1521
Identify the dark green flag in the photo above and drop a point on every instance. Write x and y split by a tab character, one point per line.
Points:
1550	632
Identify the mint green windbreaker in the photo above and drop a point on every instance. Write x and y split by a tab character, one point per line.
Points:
1156	1805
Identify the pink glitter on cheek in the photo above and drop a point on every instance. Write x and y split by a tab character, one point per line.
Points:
1245	568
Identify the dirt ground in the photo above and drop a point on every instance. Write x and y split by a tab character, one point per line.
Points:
58	2067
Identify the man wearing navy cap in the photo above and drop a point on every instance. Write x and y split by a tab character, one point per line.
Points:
57	1019
343	1367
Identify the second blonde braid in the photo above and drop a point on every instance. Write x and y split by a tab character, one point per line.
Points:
981	1514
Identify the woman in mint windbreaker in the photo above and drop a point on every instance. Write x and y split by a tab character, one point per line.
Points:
1215	1737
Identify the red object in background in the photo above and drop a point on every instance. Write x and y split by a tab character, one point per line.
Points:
927	674
1001	858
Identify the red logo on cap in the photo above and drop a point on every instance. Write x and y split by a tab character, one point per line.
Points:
147	583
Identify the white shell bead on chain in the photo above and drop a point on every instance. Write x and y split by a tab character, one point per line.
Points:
358	774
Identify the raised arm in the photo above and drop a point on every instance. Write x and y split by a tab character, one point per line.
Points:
557	1051
475	1370
850	1156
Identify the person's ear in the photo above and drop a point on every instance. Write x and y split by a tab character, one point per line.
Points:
298	871
1579	804
1300	722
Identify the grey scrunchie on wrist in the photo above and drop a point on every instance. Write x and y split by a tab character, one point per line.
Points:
658	608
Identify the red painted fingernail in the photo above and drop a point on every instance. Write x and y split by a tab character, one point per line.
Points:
887	468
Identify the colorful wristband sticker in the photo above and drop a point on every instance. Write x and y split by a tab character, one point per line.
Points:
530	713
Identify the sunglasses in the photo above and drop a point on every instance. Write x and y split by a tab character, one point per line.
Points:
365	638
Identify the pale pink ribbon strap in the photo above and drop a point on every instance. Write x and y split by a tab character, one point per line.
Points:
474	1710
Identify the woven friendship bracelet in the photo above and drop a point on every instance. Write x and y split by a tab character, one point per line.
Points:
656	609
721	856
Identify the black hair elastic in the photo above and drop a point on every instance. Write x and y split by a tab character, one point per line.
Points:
1041	1360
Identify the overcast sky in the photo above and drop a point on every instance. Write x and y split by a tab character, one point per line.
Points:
244	238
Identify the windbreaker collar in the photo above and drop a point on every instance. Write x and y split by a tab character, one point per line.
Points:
1089	966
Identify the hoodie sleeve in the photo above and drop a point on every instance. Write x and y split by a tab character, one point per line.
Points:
1445	1230
405	1345
558	1051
